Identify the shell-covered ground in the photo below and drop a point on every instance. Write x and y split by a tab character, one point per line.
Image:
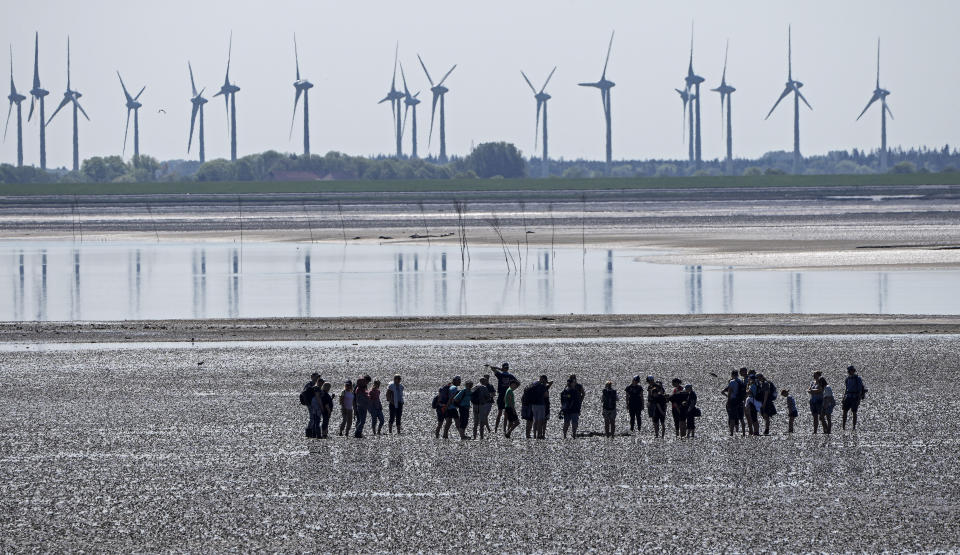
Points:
141	449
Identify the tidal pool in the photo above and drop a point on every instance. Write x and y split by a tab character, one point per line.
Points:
67	281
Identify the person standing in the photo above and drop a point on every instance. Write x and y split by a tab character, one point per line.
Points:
346	408
693	412
326	409
816	399
361	405
451	414
768	393
510	408
679	400
826	412
538	406
504	379
440	402
634	397
307	395
657	401
462	402
395	403
853	393
792	413
376	409
482	399
678	420
571	403
608	403
734	391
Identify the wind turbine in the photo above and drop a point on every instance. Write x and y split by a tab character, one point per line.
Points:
726	97
198	101
15	98
37	93
687	98
439	91
881	95
541	98
394	96
693	81
229	92
303	87
605	85
71	96
792	87
410	101
132	105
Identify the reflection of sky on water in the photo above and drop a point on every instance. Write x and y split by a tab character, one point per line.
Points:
115	281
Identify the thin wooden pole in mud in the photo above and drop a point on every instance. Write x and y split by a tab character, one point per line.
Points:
461	208
79	220
553	236
309	225
526	233
154	221
520	256
343	229
73	219
583	224
423	216
494	222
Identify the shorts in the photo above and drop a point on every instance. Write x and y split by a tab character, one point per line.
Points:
609	414
572	417
511	415
827	408
851	402
526	413
539	412
652	410
500	396
816	406
734	410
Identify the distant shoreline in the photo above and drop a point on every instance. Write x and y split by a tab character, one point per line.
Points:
474	328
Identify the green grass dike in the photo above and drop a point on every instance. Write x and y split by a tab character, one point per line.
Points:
468	185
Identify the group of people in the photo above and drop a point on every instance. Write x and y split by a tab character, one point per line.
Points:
750	398
751	395
357	401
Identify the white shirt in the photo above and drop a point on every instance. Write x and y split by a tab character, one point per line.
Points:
397	390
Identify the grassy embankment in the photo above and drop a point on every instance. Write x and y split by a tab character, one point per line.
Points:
456	185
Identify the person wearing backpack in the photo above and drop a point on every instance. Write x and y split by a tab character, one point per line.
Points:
680	400
326	409
736	393
853	393
571	403
766	393
608	403
462	400
306	399
449	407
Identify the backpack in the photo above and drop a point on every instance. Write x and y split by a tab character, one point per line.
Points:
525	397
306	396
609	399
436	402
443	396
773	390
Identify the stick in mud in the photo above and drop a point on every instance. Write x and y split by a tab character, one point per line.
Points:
553	236
240	210
343	228
526	233
494	222
79	220
423	216
461	207
583	224
154	221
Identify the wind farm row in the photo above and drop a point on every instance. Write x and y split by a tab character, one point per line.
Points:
404	103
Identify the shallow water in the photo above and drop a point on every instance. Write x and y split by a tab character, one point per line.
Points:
119	449
66	281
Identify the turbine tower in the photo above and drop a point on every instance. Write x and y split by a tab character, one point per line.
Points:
303	87
687	98
15	98
439	92
792	87
71	96
726	97
881	95
409	101
605	85
134	106
229	92
541	98
37	93
394	97
693	85
198	101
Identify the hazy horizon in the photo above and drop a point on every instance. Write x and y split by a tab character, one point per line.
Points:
346	50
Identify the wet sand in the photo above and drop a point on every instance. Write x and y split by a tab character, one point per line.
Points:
142	449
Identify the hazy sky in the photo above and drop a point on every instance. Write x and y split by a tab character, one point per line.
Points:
346	50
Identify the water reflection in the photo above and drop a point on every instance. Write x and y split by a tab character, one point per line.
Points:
66	281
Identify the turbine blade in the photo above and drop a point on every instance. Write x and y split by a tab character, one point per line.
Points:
548	78
447	75
887	108
783	95
68	62
193	84
403	76
609	48
396	54
36	61
296	100
33	100
878	62
193	120
9	111
433	110
536	127
63	103
722	127
403	126
800	94
226	107
296	56
229	57
82	111
125	132
124	87
425	69
683	120
529	84
789	53
143	88
726	52
873	99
